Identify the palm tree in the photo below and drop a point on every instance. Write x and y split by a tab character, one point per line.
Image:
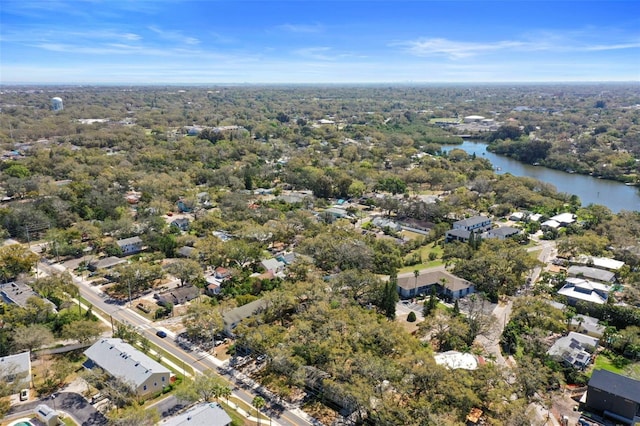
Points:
416	274
225	392
258	402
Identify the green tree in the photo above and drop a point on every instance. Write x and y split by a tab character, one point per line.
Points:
16	259
204	387
390	296
186	270
258	403
31	337
83	331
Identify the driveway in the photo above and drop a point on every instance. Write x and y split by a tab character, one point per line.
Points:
72	403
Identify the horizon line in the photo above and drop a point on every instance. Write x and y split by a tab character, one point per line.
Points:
354	83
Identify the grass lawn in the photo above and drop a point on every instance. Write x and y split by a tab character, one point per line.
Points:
424	255
631	370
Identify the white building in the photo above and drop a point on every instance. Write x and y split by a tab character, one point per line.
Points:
121	360
205	414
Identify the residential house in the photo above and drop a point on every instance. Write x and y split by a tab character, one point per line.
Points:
592	274
587	325
19	293
233	317
178	295
205	414
130	245
564	219
502	232
578	289
614	396
16	370
105	264
550	224
383	223
337	212
186	251
574	350
273	265
475	224
599	262
215	280
461	235
181	223
121	360
446	284
462	229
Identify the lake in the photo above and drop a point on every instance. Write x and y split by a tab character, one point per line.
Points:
615	195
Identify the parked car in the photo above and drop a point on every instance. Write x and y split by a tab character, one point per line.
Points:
24	394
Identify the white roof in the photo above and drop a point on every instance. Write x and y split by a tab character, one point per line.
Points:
551	223
569	290
564	218
455	359
18	364
206	414
474	117
589	285
600	262
122	360
535	217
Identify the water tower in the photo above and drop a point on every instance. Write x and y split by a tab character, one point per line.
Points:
56	104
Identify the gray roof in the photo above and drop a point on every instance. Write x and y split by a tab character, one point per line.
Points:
18	364
179	295
615	384
589	272
575	348
186	251
122	360
236	315
16	293
19	293
106	263
206	414
407	280
505	231
475	220
127	241
460	233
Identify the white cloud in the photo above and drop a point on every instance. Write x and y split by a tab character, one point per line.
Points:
175	36
460	49
301	28
319	53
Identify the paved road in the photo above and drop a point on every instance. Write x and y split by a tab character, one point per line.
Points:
72	403
198	361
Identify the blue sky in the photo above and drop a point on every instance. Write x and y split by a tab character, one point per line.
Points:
360	41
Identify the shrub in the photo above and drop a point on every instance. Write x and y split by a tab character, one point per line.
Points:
411	317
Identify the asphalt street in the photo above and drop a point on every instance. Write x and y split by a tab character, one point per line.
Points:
198	361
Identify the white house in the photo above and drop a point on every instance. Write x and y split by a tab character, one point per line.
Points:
121	360
574	350
205	414
578	289
130	245
16	370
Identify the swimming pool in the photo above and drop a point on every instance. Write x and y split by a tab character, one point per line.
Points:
22	423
